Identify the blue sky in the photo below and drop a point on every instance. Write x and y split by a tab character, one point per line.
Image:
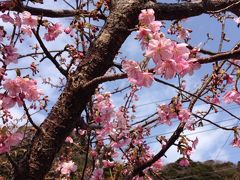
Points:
213	144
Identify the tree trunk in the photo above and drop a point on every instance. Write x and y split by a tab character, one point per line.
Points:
63	116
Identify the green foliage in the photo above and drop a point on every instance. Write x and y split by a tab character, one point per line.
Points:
213	170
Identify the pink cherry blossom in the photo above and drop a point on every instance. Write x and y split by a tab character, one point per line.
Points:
69	140
181	50
121	119
97	174
11	54
187	151
144	35
166	113
184	162
7	101
229	79
10	140
103	108
146	16
170	57
53	32
14	139
68	167
232	96
155	26
236	142
28	19
7	18
145	79
132	68
159	50
215	100
137	142
184	115
20	88
190	125
27	30
229	96
135	75
192	65
93	153
12	86
68	30
32	93
168	68
158	165
183	66
106	130
108	164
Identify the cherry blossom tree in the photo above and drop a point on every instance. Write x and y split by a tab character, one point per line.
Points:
94	31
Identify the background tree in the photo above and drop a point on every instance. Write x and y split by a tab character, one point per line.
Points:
91	61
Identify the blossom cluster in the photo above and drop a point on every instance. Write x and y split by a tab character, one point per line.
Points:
136	75
169	56
236	142
26	22
23	20
103	108
168	112
232	96
112	121
114	126
97	174
66	168
17	90
186	150
10	54
9	139
54	31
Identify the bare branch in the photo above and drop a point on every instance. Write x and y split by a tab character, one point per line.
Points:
207	120
48	54
58	13
102	79
171	11
29	117
220	56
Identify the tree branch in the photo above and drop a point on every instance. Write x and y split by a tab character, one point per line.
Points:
29	116
215	124
58	13
220	56
102	79
171	11
48	54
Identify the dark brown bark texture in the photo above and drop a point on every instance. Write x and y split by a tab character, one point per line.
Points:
63	116
65	113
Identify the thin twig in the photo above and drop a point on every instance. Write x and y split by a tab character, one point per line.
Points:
48	54
29	117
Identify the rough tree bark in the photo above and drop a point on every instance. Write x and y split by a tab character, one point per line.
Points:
65	113
63	116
